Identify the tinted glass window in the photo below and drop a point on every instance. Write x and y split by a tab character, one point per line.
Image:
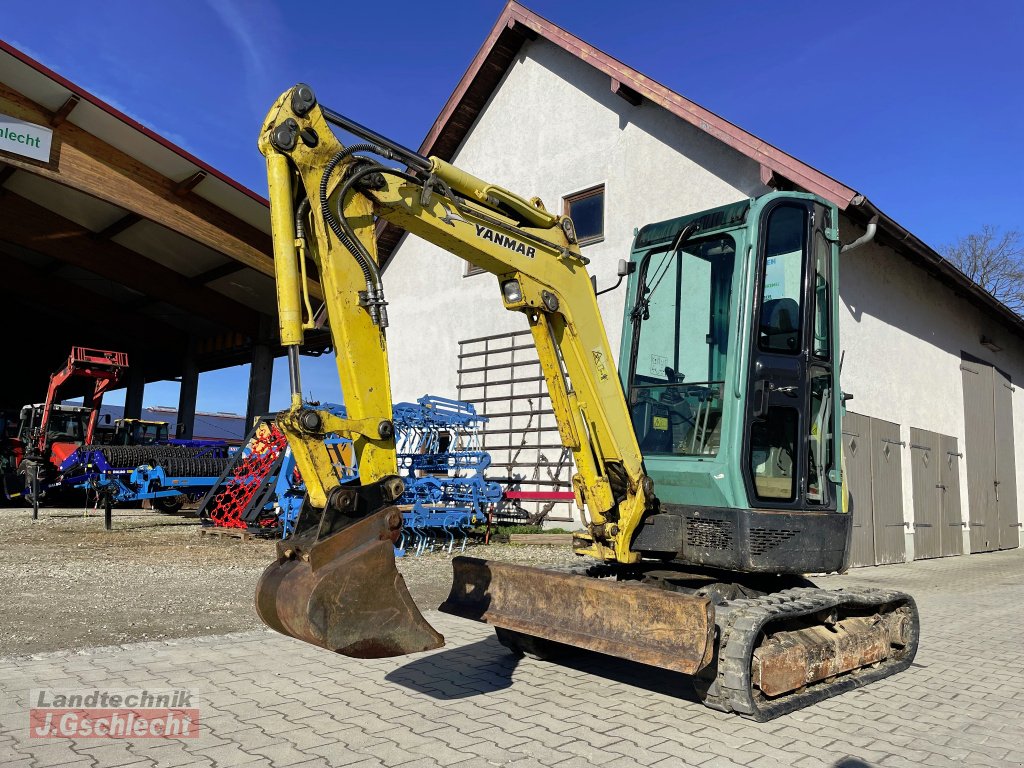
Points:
682	349
586	210
781	296
821	437
822	253
773	446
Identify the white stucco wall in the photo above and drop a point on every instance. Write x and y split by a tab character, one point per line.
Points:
552	128
903	333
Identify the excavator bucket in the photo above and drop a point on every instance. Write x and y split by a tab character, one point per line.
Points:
343	592
628	620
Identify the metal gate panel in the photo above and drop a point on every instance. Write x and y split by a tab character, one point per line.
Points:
949	478
979	445
857	474
502	377
887	492
1006	469
926	462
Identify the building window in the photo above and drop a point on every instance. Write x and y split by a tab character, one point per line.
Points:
586	209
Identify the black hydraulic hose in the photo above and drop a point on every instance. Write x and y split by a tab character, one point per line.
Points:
349	182
370	272
300	215
375	290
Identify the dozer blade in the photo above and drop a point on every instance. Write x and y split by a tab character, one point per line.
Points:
343	592
630	621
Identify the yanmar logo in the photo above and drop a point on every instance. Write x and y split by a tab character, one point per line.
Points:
486	233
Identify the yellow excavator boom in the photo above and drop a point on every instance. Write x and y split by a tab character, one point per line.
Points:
540	272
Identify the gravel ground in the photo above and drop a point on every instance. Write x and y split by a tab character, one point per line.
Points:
70	584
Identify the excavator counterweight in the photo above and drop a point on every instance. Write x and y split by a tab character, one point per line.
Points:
726	398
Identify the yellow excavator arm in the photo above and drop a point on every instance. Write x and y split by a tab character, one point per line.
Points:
325	202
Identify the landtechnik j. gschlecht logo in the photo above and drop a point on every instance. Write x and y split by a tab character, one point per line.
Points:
102	713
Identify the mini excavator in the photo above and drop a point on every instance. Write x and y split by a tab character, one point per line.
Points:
708	468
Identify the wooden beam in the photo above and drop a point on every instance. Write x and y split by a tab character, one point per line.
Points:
6	171
623	91
185	186
216	273
31	226
58	117
90	165
119	226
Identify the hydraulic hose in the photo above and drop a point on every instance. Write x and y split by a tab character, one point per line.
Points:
300	215
375	293
344	232
370	272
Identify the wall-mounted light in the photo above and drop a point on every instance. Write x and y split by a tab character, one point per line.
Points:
989	344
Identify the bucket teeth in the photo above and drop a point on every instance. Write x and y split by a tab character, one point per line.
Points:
345	594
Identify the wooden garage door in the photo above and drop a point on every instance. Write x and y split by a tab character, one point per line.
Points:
991	465
935	470
857	474
874	474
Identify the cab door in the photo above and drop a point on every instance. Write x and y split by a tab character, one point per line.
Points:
790	450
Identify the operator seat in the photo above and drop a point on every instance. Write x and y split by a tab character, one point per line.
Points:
780	323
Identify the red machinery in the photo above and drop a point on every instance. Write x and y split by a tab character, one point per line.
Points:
106	368
50	431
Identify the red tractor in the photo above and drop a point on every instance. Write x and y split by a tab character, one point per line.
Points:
51	431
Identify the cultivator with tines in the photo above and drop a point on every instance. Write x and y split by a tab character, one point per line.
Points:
440	458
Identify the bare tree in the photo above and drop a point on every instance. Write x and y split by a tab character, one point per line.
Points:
995	261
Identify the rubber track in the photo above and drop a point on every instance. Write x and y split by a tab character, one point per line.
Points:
740	622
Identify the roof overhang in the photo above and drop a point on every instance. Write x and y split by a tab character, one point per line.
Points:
120	239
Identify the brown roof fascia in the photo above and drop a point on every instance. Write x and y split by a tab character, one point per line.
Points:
500	48
517	24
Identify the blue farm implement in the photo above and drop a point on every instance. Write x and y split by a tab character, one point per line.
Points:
165	475
443	465
439	458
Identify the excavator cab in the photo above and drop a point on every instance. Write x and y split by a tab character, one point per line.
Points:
729	364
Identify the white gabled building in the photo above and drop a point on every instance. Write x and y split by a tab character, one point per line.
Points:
935	426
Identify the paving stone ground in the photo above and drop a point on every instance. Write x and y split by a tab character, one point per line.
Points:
267	700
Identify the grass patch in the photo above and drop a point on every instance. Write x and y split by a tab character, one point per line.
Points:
505	530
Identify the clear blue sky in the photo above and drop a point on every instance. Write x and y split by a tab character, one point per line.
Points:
918	105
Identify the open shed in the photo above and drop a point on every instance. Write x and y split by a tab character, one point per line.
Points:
113	237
